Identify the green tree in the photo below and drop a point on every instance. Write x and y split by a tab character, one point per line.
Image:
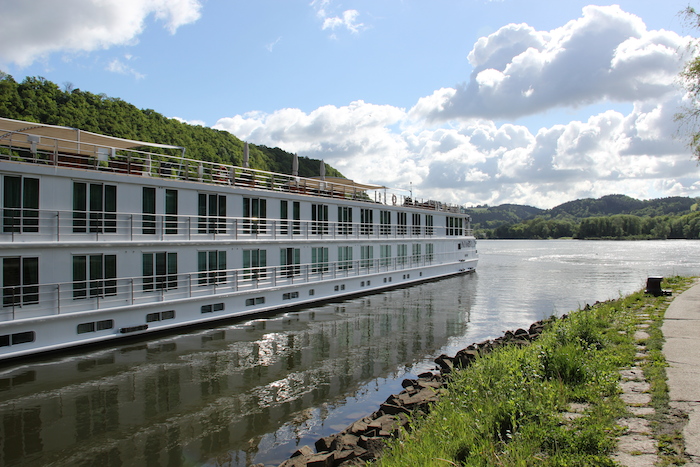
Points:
689	117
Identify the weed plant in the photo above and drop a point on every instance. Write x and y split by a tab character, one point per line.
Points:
513	406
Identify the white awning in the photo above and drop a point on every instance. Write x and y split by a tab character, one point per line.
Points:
71	140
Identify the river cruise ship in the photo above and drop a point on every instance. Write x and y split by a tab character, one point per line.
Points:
104	238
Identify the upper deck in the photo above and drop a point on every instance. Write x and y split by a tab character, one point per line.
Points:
34	143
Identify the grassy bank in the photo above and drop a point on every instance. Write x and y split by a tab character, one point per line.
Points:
554	402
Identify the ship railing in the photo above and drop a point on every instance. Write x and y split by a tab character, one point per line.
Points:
39	300
34	225
33	148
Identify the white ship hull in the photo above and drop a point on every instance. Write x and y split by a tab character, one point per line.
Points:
100	241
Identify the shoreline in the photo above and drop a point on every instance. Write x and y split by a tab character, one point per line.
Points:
402	414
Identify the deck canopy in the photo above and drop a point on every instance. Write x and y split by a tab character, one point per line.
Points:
317	182
65	139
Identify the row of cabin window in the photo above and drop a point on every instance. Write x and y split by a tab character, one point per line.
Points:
96	275
95	208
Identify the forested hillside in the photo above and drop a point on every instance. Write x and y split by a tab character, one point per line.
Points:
613	216
38	100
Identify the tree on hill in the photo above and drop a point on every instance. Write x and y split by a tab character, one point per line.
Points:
690	78
39	100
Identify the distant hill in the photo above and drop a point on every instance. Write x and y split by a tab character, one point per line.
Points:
492	217
496	216
38	100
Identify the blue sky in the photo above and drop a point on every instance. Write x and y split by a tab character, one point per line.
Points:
467	101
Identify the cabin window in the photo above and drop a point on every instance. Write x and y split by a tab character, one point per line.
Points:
94	275
212	308
401	223
366	255
290	258
454	226
148	208
401	254
344	257
416	224
255	214
344	220
319	259
20	279
384	255
159	271
254	264
384	222
319	219
366	221
212	267
95	326
171	212
94	208
285	215
160	316
21	204
212	213
417	247
17	338
429	252
429	224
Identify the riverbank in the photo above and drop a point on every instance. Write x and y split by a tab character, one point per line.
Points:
555	400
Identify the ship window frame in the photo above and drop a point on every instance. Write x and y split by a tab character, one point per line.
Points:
211	210
319	219
94	273
366	221
345	220
20	204
94	207
20	281
254	215
148	210
295	219
319	259
254	264
211	267
159	271
366	256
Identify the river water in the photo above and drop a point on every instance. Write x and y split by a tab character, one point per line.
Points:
254	391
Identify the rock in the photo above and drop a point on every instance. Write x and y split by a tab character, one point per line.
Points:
446	363
303	451
325	459
373	445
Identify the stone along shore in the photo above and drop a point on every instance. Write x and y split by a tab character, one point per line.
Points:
365	439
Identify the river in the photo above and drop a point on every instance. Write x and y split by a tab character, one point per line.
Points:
254	391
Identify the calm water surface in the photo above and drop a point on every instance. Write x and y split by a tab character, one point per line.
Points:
255	391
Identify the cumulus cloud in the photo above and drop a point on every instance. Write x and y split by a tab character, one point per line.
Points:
32	29
607	54
479	162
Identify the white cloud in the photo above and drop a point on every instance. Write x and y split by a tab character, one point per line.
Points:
345	20
607	54
479	162
190	122
33	29
118	66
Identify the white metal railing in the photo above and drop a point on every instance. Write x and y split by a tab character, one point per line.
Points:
26	147
70	297
34	225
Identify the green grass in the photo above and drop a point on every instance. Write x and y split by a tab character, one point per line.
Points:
507	408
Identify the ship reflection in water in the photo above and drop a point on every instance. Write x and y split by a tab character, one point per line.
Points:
231	395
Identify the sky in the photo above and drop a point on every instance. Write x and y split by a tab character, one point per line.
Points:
470	102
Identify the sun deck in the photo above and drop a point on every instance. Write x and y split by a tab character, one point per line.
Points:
72	148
